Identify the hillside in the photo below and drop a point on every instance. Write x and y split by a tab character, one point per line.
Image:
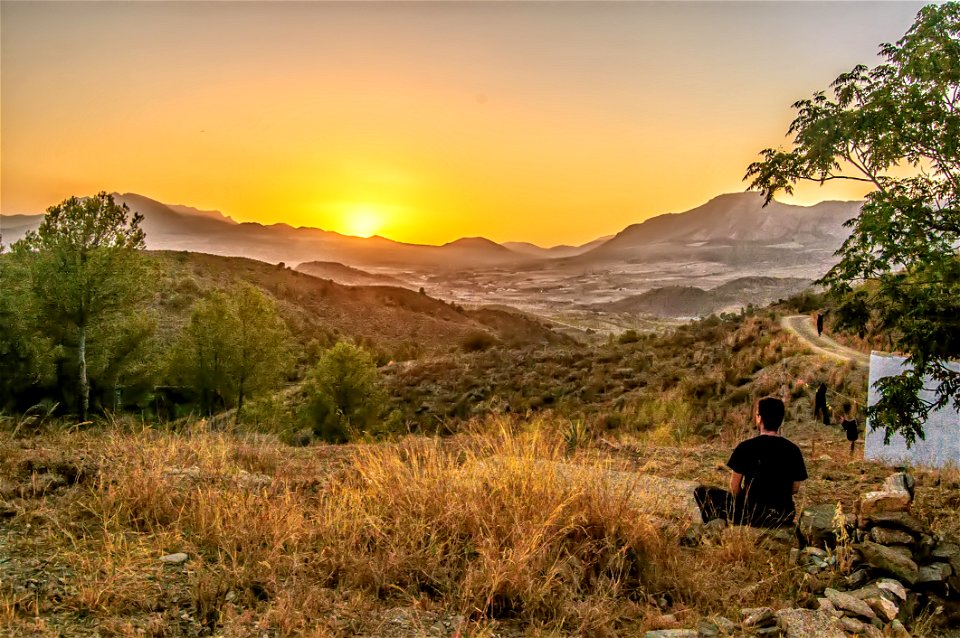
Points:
346	275
733	228
690	301
400	323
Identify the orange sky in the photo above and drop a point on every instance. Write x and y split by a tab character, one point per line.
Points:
423	122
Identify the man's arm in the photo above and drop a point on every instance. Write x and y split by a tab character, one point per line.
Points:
796	486
736	479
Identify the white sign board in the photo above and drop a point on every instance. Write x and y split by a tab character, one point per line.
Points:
941	445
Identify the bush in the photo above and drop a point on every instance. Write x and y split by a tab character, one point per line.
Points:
344	393
477	341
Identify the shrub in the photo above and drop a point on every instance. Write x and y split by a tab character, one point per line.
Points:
477	341
344	393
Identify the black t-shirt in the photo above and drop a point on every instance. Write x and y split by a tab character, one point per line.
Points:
852	429
769	465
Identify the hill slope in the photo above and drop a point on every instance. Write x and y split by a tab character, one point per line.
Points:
400	322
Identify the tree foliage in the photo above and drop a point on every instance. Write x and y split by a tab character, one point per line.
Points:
345	393
895	127
234	347
84	269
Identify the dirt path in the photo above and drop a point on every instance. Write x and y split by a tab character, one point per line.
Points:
805	329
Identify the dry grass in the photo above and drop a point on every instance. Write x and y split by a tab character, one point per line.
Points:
481	530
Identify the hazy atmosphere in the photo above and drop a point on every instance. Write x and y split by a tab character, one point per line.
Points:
422	122
479	319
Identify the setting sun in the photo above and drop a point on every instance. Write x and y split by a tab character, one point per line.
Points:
362	221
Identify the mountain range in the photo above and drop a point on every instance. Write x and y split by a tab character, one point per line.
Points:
731	229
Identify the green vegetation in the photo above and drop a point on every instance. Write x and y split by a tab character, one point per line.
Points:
85	276
902	114
343	393
234	347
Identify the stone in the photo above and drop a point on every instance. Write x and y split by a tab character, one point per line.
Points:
892	586
769	632
858	578
707	629
671	633
174	559
898	630
824	605
807	623
757	616
7	510
900	482
849	603
898	520
935	573
885	609
887	536
725	625
890	560
871	502
252	480
816	524
852	625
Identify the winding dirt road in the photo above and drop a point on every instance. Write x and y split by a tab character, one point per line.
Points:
805	329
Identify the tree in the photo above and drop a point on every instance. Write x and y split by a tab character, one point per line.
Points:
84	268
234	346
344	392
895	127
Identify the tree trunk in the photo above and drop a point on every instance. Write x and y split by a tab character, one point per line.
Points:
236	421
82	372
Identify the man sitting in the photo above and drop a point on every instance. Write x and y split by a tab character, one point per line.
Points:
767	471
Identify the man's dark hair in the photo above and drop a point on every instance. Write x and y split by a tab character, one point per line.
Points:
771	412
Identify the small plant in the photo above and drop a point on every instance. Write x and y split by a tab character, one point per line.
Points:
576	435
843	550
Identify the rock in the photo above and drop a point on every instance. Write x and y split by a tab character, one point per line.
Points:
183	473
852	625
887	536
768	632
7	510
892	586
824	605
898	520
707	629
858	578
849	603
900	482
174	559
671	633
816	524
807	623
935	573
725	625
252	481
757	616
871	502
898	630
885	609
890	560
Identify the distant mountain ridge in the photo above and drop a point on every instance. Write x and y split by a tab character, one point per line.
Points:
733	229
737	219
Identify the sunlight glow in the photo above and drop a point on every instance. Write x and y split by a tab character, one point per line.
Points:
362	221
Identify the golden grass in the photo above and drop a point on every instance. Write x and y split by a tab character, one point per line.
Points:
483	530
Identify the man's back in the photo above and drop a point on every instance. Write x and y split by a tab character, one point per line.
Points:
770	465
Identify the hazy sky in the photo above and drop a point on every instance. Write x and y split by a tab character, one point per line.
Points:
545	122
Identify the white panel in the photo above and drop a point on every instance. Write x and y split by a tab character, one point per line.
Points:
940	448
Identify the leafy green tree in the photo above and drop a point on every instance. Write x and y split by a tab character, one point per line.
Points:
25	354
344	393
895	127
234	347
85	268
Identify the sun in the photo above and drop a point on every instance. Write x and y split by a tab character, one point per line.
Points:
362	221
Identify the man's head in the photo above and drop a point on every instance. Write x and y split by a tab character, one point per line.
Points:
770	412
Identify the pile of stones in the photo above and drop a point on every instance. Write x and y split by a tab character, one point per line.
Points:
896	568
